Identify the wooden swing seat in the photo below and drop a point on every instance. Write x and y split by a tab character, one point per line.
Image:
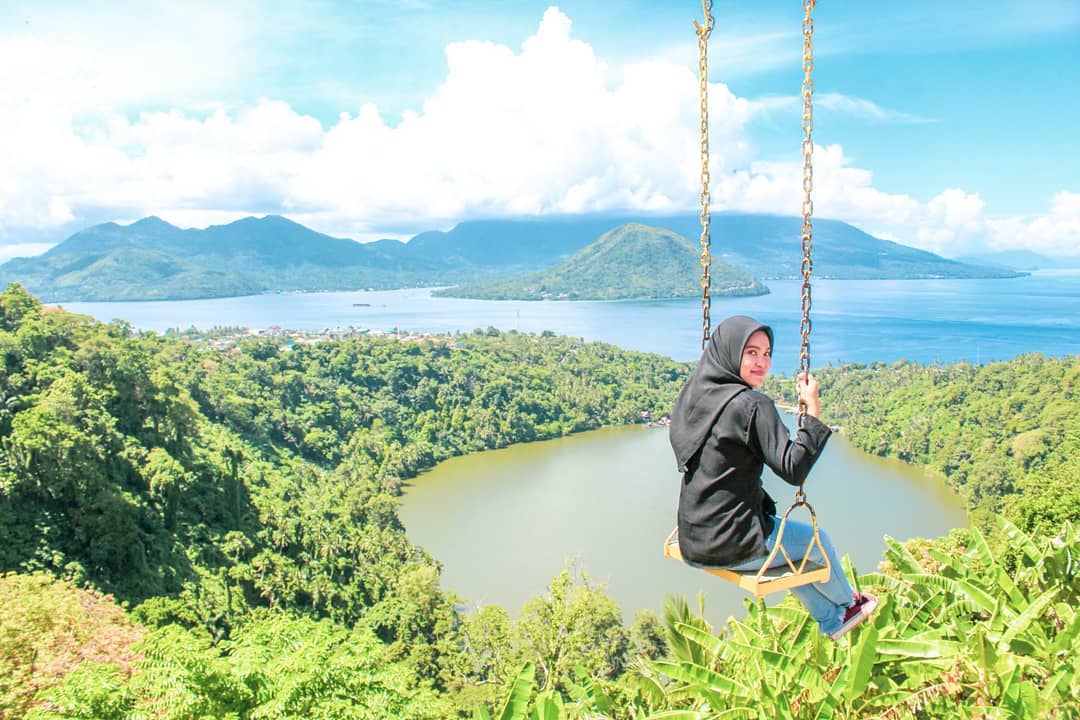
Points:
759	582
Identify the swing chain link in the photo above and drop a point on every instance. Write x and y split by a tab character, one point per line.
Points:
703	32
808	184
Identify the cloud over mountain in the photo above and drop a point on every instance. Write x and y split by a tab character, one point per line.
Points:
546	128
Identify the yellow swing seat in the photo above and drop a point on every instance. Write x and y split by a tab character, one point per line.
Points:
766	579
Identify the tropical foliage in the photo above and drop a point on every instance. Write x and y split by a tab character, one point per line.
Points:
957	636
202	485
238	504
1005	435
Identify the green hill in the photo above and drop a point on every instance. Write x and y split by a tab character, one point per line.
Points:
766	246
631	262
153	260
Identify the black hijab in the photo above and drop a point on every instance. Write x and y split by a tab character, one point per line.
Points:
714	383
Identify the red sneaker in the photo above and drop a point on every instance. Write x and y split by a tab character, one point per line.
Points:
862	608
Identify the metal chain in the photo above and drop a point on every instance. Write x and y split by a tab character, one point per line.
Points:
808	184
703	32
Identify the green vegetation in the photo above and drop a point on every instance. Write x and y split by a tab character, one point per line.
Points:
153	260
239	505
959	635
631	262
1005	435
204	486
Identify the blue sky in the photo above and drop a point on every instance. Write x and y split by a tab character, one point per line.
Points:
948	126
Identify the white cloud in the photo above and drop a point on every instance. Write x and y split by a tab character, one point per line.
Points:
866	109
956	223
860	108
529	132
547	128
1055	233
96	58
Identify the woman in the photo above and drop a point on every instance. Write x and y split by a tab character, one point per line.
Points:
723	432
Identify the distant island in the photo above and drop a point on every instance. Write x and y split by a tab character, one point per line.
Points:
153	260
631	262
1020	260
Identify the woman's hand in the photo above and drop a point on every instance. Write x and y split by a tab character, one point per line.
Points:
807	388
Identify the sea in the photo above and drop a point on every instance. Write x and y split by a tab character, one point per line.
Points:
862	321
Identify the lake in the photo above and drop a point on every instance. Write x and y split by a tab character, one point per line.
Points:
854	320
504	522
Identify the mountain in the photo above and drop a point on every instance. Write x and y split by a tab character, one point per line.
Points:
766	246
633	261
513	246
153	260
1019	260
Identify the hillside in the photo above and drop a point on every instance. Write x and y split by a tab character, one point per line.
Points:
153	260
631	262
765	246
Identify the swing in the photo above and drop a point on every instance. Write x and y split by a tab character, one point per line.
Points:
801	571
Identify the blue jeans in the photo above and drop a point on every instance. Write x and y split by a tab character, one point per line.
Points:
825	601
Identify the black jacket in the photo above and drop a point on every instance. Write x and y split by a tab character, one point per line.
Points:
724	512
722	434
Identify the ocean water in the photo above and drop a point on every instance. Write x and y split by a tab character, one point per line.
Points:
853	320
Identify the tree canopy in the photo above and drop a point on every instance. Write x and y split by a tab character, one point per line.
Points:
192	532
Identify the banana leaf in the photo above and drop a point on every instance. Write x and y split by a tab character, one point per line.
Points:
517	700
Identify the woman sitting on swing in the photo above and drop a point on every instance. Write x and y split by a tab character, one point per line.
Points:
723	432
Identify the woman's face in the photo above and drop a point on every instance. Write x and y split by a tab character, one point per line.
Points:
756	359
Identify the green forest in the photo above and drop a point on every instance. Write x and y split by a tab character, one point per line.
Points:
213	533
631	262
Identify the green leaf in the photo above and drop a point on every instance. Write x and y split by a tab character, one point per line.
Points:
1056	687
986	652
704	639
955	564
702	677
1020	697
827	708
999	576
548	706
517	700
650	688
899	556
981	549
861	663
1066	639
1033	612
976	596
923	614
916	648
1019	539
